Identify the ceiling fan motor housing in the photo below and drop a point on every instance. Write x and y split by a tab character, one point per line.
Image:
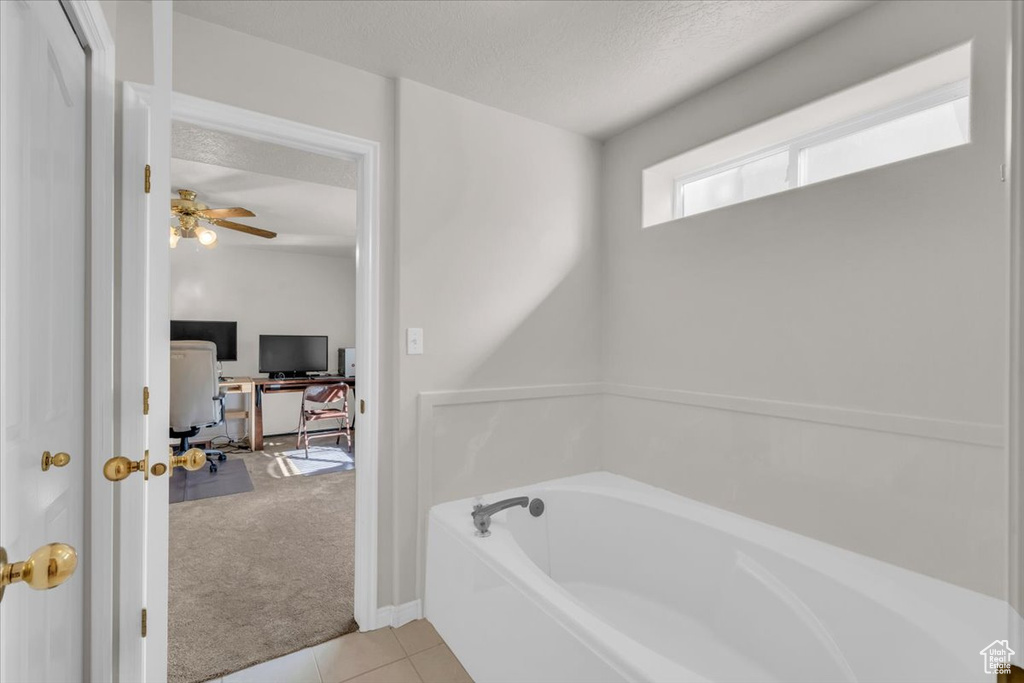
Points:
189	212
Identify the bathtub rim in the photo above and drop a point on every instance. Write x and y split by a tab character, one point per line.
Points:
628	657
874	579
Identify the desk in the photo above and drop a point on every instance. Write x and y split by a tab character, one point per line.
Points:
265	385
242	385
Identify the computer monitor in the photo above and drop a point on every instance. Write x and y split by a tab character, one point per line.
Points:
292	355
223	334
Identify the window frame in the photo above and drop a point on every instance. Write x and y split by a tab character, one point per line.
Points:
797	170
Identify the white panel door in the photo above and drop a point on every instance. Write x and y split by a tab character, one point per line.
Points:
42	330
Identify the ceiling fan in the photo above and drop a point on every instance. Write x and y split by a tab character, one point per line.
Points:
189	212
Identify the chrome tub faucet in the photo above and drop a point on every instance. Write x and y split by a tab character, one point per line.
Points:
482	513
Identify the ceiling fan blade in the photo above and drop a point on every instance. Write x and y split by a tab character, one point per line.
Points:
236	212
230	225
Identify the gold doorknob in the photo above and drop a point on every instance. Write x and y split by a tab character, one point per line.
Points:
48	567
59	460
121	467
193	459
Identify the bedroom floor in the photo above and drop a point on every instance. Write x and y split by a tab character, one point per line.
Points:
261	574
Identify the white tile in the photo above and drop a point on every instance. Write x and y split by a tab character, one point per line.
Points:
401	671
439	665
417	636
298	667
342	658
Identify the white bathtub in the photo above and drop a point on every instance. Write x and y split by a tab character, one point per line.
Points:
620	581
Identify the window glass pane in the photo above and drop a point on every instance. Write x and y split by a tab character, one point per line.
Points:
709	193
753	179
929	130
765	176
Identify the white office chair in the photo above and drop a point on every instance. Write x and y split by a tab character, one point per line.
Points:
196	401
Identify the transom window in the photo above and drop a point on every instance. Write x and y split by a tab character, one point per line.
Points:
917	109
937	120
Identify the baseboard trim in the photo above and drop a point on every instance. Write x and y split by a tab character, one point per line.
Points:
398	615
946	430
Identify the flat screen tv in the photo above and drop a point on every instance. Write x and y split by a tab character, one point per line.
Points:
292	355
223	334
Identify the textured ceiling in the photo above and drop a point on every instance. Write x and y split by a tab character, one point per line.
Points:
308	217
193	143
591	67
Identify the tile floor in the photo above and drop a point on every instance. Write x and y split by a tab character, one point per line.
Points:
413	653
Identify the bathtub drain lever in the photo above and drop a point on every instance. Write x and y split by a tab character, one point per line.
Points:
482	513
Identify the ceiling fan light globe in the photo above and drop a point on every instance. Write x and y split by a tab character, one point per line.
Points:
207	238
175	236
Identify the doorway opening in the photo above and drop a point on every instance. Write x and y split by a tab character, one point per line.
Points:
277	546
264	278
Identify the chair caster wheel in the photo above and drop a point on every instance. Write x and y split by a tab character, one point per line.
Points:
213	468
222	457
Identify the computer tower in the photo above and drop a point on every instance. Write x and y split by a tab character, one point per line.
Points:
347	362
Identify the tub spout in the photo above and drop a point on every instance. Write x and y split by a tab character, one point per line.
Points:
482	514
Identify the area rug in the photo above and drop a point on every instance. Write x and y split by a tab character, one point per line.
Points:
260	575
231	477
319	460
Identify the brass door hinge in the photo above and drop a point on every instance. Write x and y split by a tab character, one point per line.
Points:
148	172
143	622
362	406
145	400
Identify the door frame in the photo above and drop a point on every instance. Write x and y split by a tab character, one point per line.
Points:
90	25
1015	376
366	155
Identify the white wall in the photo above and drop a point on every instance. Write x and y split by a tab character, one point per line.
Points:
869	300
499	262
227	66
834	357
267	291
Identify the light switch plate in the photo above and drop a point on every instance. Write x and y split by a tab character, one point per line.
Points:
414	341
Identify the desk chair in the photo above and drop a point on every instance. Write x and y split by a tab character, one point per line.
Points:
328	396
196	401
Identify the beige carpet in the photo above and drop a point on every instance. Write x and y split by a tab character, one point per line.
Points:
257	575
